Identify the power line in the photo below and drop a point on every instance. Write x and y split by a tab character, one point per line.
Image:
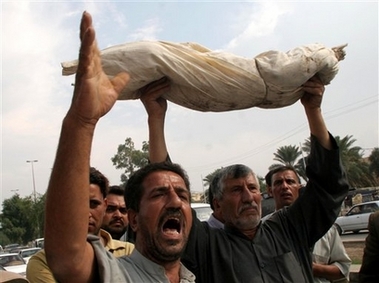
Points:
327	116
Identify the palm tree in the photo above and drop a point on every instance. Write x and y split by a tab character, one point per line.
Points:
287	154
290	155
208	179
357	170
374	162
360	173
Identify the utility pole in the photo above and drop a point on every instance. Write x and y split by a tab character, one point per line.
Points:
34	194
34	183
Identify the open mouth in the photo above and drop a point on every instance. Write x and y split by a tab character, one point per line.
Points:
172	226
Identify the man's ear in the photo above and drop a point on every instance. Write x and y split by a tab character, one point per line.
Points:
216	204
269	190
133	219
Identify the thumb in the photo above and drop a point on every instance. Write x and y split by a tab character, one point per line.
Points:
120	81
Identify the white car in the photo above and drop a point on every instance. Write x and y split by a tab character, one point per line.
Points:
26	254
13	262
356	218
203	210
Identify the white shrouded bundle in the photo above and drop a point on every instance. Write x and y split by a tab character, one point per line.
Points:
206	80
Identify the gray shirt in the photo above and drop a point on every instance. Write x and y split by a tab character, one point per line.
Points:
132	269
214	222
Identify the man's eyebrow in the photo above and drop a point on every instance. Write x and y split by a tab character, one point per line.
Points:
181	189
158	189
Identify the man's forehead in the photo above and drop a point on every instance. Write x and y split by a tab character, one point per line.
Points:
287	174
116	201
250	178
163	178
94	191
113	197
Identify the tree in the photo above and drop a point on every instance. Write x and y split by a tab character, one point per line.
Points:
129	158
208	179
22	219
357	170
289	155
374	162
207	182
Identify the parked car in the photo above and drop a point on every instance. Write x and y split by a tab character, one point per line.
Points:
7	248
203	210
13	262
356	218
26	254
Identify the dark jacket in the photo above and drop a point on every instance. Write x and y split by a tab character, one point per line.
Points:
369	272
280	249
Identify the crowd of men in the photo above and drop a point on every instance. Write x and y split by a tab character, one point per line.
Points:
86	220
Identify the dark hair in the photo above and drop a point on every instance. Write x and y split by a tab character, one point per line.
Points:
134	189
212	187
216	188
116	190
97	178
277	169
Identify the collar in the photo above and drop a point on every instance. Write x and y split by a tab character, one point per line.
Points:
186	276
109	243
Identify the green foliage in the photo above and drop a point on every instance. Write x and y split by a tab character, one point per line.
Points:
262	184
129	158
374	162
287	155
359	173
290	155
357	169
22	219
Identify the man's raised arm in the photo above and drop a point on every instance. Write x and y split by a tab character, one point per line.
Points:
156	107
68	254
311	100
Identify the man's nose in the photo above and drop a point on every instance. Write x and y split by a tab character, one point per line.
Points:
247	195
173	199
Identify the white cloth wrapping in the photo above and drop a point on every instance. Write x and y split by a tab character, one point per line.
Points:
206	80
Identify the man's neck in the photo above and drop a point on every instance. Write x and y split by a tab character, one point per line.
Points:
172	270
249	233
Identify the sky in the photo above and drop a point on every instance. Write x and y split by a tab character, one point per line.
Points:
37	36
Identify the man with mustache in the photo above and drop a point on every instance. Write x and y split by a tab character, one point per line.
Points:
115	220
38	270
158	195
247	250
330	260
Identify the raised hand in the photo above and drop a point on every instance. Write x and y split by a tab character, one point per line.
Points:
314	91
151	97
94	94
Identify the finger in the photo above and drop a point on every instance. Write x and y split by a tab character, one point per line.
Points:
85	23
314	90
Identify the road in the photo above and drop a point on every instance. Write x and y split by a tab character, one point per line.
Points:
350	236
